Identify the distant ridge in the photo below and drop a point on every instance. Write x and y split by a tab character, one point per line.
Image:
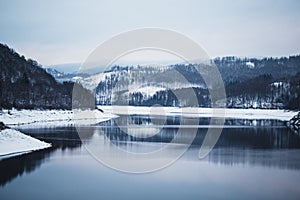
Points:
67	68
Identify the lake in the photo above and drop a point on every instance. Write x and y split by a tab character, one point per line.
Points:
253	159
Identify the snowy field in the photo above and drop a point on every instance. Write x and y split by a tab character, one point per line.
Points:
14	143
283	115
67	117
52	117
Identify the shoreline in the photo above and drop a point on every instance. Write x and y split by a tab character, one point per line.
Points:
51	117
69	118
14	143
230	113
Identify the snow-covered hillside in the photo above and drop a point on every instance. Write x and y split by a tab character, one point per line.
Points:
125	84
249	83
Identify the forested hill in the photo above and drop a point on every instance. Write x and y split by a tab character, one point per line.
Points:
237	70
249	83
25	84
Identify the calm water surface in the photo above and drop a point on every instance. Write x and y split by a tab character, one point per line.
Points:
253	159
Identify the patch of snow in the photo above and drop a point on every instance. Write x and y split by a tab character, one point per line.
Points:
13	143
147	90
250	64
53	117
91	82
277	84
151	90
76	78
202	112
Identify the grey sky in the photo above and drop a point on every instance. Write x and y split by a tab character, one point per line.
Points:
61	31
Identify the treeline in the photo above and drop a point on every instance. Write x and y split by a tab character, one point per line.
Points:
177	97
24	84
265	91
235	69
249	83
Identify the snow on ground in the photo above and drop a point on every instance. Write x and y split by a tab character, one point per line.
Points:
147	90
277	84
152	90
250	64
92	81
13	143
68	118
56	117
202	112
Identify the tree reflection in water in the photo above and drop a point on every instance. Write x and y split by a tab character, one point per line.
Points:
243	142
61	140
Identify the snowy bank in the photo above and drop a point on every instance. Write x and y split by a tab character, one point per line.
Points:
14	143
77	117
294	123
52	117
202	112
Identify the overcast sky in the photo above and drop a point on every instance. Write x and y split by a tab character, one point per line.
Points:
60	31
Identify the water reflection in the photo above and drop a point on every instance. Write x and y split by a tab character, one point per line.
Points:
266	134
61	139
269	143
265	143
283	159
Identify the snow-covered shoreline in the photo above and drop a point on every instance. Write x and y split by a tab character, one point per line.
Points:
13	143
51	117
67	117
283	115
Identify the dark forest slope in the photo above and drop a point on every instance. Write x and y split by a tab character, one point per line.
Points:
24	84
